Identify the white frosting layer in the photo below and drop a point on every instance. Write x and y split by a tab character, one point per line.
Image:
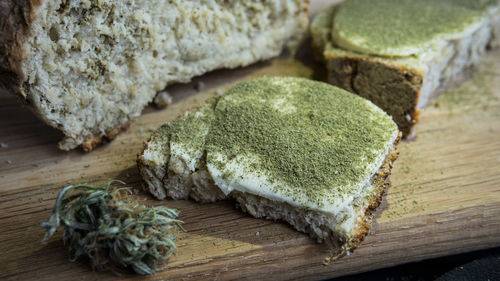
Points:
254	182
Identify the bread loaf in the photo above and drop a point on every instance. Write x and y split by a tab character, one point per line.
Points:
89	67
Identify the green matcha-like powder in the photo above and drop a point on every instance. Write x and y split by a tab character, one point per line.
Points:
401	27
312	139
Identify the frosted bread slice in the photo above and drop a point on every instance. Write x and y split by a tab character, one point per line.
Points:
285	148
401	54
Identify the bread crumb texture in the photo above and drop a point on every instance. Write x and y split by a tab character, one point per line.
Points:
91	66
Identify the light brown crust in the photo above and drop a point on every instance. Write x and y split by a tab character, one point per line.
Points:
91	143
382	182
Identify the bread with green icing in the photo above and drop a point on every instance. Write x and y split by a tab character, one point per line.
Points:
401	54
284	148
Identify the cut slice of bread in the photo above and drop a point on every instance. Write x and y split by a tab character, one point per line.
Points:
404	85
289	149
88	68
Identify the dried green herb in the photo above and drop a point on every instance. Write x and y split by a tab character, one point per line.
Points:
112	229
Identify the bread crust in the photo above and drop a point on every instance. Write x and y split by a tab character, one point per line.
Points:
92	142
382	182
16	17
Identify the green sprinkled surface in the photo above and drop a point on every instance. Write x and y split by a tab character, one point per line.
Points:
312	140
190	131
308	139
401	27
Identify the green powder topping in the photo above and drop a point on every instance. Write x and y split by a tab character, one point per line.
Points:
311	139
402	27
187	135
191	129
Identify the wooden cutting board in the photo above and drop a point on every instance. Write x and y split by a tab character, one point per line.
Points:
444	198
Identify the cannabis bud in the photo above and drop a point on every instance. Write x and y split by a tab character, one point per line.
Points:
112	229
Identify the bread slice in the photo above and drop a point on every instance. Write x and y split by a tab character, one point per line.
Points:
289	149
405	82
88	68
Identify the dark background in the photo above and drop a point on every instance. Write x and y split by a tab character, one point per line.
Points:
478	265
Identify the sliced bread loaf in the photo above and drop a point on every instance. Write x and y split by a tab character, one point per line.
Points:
89	67
289	149
401	54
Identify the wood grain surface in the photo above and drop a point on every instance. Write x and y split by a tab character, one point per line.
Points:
444	198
